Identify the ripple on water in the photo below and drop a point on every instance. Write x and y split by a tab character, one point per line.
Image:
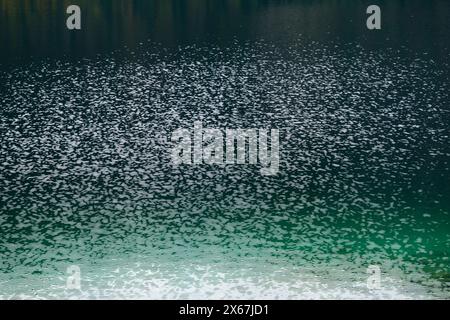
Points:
86	177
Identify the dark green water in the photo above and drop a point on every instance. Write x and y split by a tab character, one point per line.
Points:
85	171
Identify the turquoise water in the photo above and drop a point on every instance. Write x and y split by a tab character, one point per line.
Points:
85	170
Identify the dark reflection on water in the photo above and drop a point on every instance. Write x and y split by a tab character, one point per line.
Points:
37	28
85	165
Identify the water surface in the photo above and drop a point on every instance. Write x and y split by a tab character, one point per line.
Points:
85	171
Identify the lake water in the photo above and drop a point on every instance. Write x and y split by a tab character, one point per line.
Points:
86	177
